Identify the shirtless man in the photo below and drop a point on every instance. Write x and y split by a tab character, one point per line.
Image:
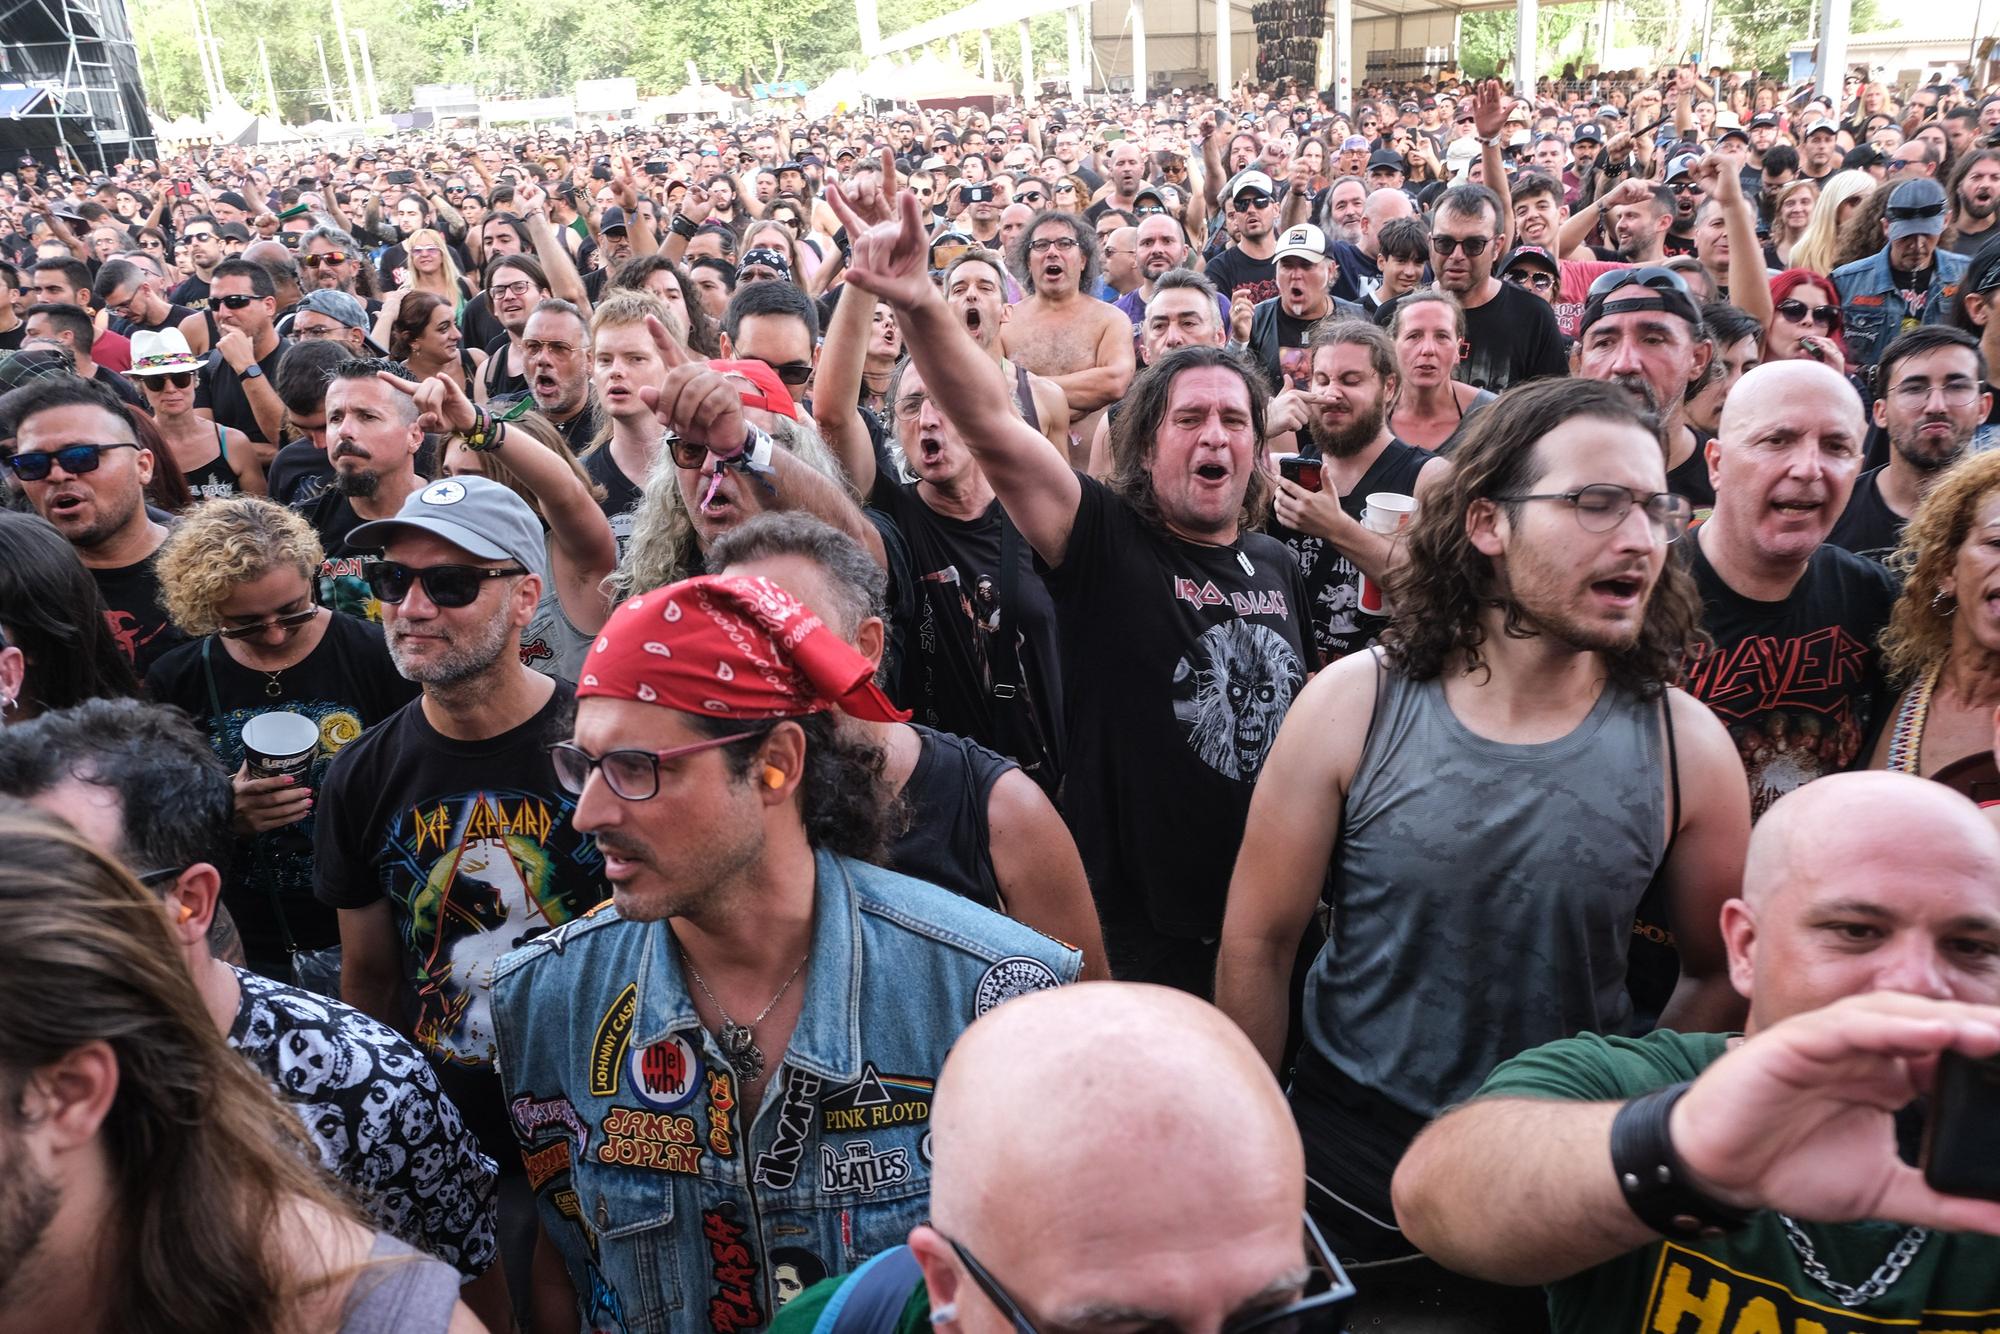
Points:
1058	331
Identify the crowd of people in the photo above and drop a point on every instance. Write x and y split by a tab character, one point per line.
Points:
561	693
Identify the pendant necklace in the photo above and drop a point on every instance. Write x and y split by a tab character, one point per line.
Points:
738	1041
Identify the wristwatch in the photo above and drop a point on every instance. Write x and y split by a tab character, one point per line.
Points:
250	372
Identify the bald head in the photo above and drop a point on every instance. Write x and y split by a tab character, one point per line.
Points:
1862	882
1776	387
1150	1108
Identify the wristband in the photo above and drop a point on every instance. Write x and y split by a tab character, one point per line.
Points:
1652	1177
681	227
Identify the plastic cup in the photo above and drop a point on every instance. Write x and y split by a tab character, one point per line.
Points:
280	744
1387	513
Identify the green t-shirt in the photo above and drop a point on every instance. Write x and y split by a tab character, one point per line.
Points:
1749	1281
801	1313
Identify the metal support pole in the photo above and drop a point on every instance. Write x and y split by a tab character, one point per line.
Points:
1525	14
1222	22
1027	65
347	59
1343	54
986	55
1833	16
1073	37
1140	77
368	73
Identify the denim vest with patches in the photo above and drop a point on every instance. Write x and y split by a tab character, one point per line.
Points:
677	1209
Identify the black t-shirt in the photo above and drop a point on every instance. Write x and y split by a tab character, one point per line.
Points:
1333	584
220	390
1798	682
471	844
1513	337
1868	527
122	387
1278	341
501	382
579	430
299	473
948	839
1233	269
137	618
1690	477
339	585
950	674
621	494
477	324
10	339
1179	661
346	684
192	293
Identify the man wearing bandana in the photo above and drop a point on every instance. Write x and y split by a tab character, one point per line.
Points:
747	946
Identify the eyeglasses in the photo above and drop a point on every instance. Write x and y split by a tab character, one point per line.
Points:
177	379
1540	282
1602	506
534	347
76	460
150	879
446	585
1041	245
423	250
512	289
1650	276
1317	1312
1685	187
1451	245
791	372
632	775
1795	311
1244	203
1957	392
236	302
288	622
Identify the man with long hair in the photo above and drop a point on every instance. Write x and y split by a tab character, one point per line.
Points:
751	959
1183	632
1485	800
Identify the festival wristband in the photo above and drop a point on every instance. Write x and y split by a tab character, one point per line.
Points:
1652	1177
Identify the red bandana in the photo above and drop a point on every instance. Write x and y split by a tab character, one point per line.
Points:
730	648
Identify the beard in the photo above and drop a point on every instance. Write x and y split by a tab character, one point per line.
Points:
1344	442
467	654
1926	458
28	1203
357	483
1639	388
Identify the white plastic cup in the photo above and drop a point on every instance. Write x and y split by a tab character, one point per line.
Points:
1387	513
280	743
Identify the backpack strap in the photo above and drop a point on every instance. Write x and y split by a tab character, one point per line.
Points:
872	1299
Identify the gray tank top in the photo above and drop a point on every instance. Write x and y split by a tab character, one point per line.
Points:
1483	893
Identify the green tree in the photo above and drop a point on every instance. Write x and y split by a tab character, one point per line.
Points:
1486	38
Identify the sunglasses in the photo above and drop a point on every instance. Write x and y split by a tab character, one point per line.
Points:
1451	245
291	620
445	585
791	372
1798	312
1244	203
1541	282
236	302
76	460
197	236
177	379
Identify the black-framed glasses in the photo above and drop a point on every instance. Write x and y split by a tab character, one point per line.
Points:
154	879
1540	282
287	622
1041	245
1449	245
237	301
632	775
1686	187
446	585
34	465
1796	311
1029	197
1318	1311
1602	506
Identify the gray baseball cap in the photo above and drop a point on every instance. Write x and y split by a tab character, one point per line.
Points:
477	515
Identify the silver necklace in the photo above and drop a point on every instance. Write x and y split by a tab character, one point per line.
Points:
738	1041
1885	1275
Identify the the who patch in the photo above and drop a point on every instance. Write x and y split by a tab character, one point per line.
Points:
1014	976
666	1074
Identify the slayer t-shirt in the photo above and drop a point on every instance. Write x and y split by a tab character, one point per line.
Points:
471	844
1798	683
1179	661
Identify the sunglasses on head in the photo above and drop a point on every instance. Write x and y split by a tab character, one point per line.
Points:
34	465
236	302
178	379
445	585
1798	312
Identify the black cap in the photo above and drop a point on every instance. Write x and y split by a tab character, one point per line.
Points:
1862	156
794	165
1982	274
1523	255
1587	132
1763	119
1388	159
612	219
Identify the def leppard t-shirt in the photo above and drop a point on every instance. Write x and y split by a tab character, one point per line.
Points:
1798	683
471	844
1179	661
1233	270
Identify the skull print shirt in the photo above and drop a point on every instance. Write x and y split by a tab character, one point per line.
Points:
371	1103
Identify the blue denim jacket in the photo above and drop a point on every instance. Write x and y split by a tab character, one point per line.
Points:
676	1210
1872	310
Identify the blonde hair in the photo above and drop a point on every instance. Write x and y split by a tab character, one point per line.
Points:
1919	633
621	308
451	285
222	544
1818	243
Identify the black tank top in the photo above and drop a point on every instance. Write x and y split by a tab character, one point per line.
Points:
948	840
215	479
501	382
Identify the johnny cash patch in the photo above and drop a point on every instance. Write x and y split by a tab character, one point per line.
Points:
1016	975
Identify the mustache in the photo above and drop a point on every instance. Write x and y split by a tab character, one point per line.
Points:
612	845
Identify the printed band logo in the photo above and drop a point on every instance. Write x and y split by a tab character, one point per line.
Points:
1693	1294
666	1074
656	1141
734	1268
1014	976
859	1170
778	1166
875	1101
607	1049
532	1114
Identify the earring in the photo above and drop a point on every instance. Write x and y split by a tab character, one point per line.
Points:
774	777
1943	603
8	704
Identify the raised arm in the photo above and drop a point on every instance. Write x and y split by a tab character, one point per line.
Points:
844	351
1577	227
564	280
1489	118
1035	485
1749	288
1799	1118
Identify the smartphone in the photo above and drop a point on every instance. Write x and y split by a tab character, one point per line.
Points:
1299	469
600	170
944	256
183	188
657	168
1112	134
399	177
1958	1139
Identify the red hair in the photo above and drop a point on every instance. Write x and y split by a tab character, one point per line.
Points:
1791	280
